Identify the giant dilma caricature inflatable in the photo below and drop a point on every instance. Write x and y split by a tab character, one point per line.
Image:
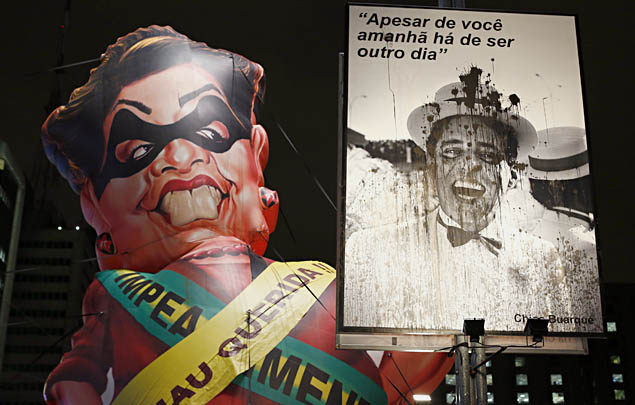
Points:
163	145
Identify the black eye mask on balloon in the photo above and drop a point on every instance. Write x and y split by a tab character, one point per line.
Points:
127	126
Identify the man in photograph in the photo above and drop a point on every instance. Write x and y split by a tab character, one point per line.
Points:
476	146
560	179
475	149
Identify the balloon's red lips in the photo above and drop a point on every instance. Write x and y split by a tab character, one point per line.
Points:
185	201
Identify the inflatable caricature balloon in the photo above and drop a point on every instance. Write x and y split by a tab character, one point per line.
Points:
162	144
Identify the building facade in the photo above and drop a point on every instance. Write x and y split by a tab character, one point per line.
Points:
602	377
54	268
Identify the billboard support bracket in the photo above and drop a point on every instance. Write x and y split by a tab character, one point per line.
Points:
471	380
462	366
479	374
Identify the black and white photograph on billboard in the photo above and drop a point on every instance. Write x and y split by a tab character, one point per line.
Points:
468	190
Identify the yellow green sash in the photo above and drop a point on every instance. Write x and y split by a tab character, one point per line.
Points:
274	303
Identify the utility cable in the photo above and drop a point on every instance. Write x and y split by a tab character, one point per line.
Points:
400	373
306	166
302	281
386	377
32	321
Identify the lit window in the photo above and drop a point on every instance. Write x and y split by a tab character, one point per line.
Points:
519	362
522	379
490	397
488	364
615	359
611	327
490	379
557	398
450	397
618	378
450	379
556	379
522	397
620	395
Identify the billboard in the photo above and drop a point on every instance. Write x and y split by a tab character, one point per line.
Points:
468	192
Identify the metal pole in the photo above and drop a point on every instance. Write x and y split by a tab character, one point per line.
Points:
462	366
13	247
479	375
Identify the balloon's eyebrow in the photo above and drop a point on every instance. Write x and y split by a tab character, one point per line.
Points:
136	104
189	96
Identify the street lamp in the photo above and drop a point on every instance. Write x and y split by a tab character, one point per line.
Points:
419	398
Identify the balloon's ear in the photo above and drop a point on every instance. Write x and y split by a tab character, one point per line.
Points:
107	255
268	198
260	147
90	209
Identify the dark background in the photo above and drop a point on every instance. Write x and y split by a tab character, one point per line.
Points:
297	42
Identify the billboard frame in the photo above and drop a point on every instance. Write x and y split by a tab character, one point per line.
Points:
374	338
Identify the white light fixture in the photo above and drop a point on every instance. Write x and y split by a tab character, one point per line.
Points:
77	228
421	398
59	228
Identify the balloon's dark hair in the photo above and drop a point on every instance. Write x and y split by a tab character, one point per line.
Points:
73	133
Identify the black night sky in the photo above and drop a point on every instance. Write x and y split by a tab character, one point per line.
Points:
298	42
